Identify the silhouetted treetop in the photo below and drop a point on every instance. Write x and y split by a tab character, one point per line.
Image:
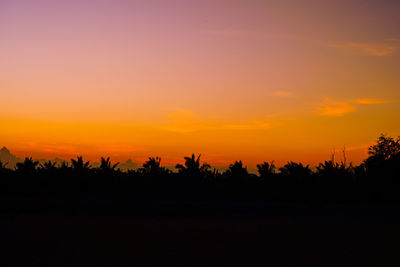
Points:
152	167
295	169
79	164
237	170
266	169
48	165
106	166
192	166
27	166
385	148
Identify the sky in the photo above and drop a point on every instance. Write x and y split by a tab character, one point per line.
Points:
233	80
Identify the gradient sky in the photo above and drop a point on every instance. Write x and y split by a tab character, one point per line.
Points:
250	80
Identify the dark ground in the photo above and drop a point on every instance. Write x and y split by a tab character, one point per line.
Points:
275	235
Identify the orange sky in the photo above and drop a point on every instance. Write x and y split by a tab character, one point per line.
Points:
232	80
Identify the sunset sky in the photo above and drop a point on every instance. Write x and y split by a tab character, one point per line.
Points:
233	80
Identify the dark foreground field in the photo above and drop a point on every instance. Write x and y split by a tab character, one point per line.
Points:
272	235
75	215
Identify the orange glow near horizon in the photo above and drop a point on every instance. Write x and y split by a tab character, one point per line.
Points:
232	80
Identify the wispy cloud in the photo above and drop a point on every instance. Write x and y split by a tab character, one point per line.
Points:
370	49
329	107
284	94
370	101
335	108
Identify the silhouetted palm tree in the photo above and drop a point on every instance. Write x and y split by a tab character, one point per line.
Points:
295	169
152	167
28	166
64	167
328	167
237	170
266	169
79	164
193	167
106	167
335	171
48	166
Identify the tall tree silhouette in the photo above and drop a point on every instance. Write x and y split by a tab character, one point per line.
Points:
385	148
384	159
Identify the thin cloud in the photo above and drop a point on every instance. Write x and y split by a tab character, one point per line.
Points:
370	101
370	49
284	94
334	108
359	147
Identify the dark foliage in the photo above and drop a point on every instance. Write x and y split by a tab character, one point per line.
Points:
266	169
375	180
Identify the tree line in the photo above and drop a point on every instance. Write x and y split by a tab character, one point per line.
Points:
375	179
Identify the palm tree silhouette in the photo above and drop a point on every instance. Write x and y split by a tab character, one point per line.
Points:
266	169
79	165
295	169
330	168
152	167
192	166
106	166
237	170
48	166
28	166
